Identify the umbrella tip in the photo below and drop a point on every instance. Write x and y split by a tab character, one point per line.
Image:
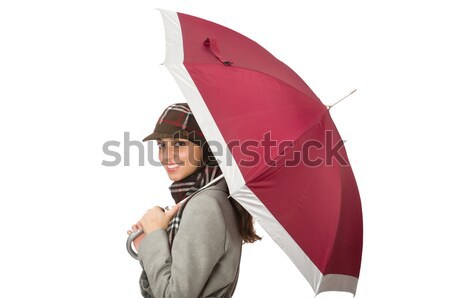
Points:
330	106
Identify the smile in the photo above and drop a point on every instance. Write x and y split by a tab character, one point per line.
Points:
172	167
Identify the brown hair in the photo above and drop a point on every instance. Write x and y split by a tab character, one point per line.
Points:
245	223
245	220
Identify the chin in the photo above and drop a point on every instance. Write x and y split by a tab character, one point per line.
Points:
179	175
176	176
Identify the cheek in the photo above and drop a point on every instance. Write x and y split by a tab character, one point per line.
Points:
183	154
191	156
163	155
198	153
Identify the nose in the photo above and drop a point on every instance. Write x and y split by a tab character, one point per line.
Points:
169	154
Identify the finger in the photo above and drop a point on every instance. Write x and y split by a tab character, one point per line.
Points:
172	212
139	225
134	228
129	232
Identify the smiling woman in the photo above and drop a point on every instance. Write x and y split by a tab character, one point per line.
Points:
180	157
191	250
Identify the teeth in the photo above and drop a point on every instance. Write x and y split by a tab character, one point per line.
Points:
172	166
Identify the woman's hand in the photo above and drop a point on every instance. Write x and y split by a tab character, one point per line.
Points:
156	218
138	239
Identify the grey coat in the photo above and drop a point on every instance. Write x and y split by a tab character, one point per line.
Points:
205	254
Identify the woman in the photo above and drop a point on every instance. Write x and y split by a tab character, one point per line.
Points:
198	253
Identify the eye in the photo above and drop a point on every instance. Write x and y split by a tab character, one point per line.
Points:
160	145
180	143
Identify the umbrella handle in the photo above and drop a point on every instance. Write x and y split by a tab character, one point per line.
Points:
130	240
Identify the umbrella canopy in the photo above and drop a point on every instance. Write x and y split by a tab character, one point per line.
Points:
280	152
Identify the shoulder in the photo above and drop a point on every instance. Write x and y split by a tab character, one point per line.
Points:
219	188
209	200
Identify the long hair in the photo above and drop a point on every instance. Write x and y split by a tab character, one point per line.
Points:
245	223
245	220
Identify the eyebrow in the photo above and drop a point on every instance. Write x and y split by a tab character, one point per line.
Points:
172	140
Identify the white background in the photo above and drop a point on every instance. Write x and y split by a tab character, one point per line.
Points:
76	74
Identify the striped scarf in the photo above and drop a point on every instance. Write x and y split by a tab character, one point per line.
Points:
184	189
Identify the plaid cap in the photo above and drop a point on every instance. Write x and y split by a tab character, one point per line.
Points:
177	121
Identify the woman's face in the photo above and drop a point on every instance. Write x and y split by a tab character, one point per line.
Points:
179	157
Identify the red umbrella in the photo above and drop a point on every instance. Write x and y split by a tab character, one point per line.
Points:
282	156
